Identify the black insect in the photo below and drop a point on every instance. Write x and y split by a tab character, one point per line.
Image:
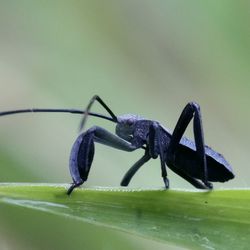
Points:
194	161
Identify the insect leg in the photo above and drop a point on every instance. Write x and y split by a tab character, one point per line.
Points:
189	179
156	148
131	172
192	110
81	157
82	152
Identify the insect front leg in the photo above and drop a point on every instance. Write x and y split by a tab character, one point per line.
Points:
81	157
82	152
192	110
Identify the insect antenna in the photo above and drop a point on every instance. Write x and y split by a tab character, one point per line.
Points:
91	102
38	110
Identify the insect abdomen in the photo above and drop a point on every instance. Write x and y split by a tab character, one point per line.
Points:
218	169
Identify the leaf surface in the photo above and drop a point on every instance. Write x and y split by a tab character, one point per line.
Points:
218	219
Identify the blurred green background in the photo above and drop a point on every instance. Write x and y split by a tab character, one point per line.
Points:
142	57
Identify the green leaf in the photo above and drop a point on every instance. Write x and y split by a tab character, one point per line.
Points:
198	220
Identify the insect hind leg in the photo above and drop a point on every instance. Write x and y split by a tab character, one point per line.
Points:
196	183
191	110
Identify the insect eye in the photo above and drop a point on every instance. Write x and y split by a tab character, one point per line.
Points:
130	122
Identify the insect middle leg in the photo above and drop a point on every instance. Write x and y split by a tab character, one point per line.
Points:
156	148
131	172
153	149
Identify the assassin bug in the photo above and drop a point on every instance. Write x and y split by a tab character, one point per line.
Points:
192	160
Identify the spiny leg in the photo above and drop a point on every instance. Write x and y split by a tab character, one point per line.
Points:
91	102
192	110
